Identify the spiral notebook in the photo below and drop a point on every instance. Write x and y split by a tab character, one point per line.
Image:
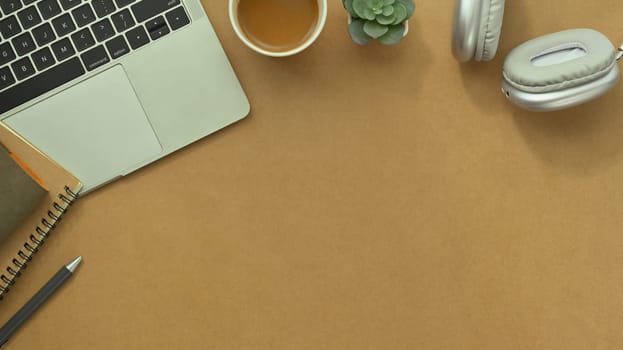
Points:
38	211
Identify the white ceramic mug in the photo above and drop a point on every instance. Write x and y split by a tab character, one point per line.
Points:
322	18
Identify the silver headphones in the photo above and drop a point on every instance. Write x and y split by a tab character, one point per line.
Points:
551	72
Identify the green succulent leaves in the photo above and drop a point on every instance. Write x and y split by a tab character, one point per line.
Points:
378	19
393	35
374	29
355	28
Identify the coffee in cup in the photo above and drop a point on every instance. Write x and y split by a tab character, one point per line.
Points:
278	27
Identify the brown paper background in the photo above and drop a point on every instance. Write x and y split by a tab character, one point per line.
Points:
376	198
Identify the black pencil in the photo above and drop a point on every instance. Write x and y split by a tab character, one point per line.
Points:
37	300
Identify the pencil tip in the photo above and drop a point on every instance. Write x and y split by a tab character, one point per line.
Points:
74	264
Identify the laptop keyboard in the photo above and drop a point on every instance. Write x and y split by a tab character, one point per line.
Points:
47	43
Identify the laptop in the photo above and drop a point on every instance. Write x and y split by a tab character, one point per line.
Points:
105	87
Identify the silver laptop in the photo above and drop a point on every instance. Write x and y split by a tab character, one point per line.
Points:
105	87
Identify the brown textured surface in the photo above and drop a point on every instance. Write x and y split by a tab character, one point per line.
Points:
376	198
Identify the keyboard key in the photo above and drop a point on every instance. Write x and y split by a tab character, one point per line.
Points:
137	37
123	20
103	30
83	15
177	18
155	23
95	57
83	39
68	4
9	27
6	53
43	58
29	17
23	44
157	27
28	2
145	10
23	68
158	33
9	6
117	47
40	84
122	3
103	7
63	25
6	78
49	8
43	34
63	49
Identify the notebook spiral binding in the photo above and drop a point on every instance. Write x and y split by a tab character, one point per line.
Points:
31	247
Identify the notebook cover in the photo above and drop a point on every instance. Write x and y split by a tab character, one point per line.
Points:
42	219
51	173
19	193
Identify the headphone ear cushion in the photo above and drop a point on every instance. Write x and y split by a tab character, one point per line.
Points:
491	18
597	60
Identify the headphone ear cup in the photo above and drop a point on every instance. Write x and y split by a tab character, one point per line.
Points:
477	27
491	18
598	59
560	70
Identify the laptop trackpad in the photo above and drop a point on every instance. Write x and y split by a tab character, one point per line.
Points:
97	129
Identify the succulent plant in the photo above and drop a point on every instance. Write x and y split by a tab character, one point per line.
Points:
378	19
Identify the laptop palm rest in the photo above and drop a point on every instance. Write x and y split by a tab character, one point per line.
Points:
96	129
